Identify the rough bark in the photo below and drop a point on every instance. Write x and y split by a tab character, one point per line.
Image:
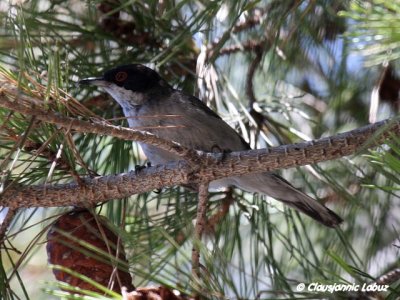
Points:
208	167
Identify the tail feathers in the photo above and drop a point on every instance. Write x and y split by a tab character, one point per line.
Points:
315	210
280	189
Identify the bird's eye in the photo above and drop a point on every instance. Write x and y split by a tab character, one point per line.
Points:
121	76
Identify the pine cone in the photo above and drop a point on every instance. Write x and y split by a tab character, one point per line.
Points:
67	245
155	293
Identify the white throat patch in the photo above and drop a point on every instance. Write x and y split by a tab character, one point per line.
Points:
124	97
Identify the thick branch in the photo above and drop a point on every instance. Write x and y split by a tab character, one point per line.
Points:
212	167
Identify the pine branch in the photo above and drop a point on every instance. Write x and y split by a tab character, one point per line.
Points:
209	167
199	228
250	75
27	107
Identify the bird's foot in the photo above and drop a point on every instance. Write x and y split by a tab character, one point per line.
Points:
223	152
139	168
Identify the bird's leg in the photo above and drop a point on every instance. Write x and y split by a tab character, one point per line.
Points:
138	168
218	149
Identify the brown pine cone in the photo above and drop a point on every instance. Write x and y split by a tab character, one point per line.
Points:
69	241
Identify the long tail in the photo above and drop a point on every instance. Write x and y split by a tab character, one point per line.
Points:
280	189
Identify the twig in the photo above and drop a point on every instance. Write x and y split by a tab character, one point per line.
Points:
223	210
250	75
389	277
199	228
257	116
101	129
245	46
249	22
6	222
385	279
213	166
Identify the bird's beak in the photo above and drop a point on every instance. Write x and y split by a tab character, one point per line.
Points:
97	81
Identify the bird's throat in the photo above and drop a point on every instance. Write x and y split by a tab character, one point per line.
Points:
126	98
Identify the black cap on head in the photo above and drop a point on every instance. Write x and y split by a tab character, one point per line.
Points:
135	77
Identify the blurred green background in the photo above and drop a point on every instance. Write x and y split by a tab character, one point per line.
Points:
279	72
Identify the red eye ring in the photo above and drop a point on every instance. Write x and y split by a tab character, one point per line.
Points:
121	76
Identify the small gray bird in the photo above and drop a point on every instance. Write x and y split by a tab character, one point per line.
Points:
145	97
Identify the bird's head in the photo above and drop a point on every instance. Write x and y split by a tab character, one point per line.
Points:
129	84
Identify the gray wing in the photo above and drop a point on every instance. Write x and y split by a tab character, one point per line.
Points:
197	126
238	143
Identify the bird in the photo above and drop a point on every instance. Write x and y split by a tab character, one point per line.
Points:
147	100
